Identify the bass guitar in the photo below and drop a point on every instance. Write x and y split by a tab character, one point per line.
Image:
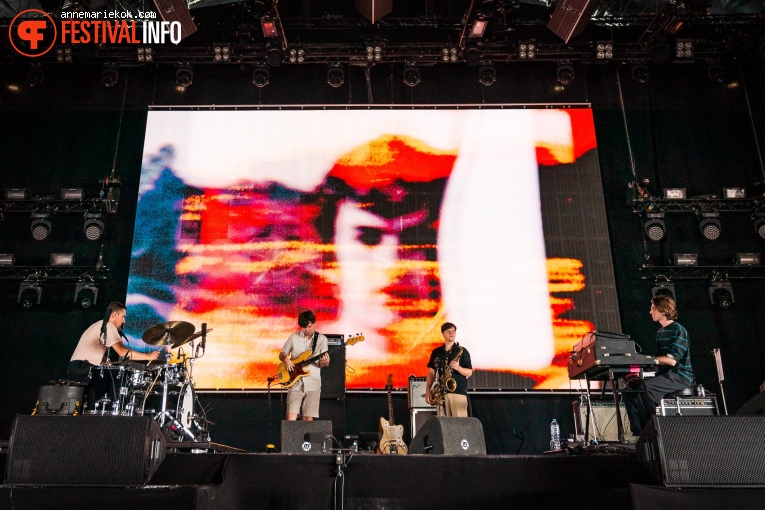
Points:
392	440
288	379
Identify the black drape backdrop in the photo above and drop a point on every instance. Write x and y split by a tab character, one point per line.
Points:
680	129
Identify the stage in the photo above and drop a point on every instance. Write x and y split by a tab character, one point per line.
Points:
601	478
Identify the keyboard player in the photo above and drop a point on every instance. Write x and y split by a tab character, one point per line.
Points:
675	372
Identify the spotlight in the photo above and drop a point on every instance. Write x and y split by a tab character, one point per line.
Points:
478	28
29	295
654	227
221	52
604	50
565	74
374	51
15	193
527	49
471	55
742	259
35	76
721	293
144	55
734	192
94	227
684	48
274	56
261	77
7	259
109	77
40	226
64	55
411	76
686	259
674	193
85	294
297	55
184	77
71	194
717	73
449	54
268	24
62	259
640	74
487	75
709	225
335	75
759	224
660	52
666	288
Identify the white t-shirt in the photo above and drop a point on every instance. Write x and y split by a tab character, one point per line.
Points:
90	348
296	345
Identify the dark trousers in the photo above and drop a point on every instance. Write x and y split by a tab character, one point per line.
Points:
641	405
78	371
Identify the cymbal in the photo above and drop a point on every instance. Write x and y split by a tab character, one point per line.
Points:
189	339
167	332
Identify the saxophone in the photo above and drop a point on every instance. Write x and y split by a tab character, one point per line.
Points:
445	384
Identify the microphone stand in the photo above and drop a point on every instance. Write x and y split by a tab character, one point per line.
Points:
268	392
720	377
163	411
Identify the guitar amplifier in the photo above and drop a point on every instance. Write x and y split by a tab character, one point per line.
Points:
416	394
603	426
687	406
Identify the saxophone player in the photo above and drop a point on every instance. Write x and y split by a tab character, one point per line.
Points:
449	368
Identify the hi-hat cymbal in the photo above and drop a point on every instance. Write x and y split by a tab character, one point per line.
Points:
168	332
189	339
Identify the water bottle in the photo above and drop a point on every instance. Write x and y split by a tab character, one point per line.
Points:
554	435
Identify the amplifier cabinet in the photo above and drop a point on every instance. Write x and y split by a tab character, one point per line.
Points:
416	393
603	425
687	406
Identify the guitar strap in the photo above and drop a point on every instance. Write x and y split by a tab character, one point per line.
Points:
315	338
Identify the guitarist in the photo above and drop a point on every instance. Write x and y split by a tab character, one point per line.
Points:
455	403
303	397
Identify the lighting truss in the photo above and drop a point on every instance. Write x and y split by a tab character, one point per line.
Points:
48	273
650	272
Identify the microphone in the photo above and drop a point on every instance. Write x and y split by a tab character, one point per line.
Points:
204	335
107	316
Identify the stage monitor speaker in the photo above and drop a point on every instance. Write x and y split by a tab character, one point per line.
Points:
570	17
84	450
450	436
704	451
307	437
419	417
176	10
754	407
333	376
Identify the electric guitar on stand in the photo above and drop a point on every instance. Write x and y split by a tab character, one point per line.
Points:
392	440
288	379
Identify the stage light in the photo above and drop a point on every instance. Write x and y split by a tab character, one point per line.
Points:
742	259
274	56
717	73
297	55
478	29
335	75
487	75
144	54
684	48
374	51
666	288
654	227
221	52
30	294
94	227
268	24
61	259
7	259
411	76
64	55
71	194
686	259
709	225
527	49
35	76
604	50
184	77
565	74
759	224
640	74
734	192
85	294
41	227
449	54
109	77
660	52
15	193
261	77
721	293
674	193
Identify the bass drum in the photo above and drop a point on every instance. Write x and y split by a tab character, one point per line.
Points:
180	404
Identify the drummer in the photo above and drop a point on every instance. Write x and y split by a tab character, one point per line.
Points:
92	349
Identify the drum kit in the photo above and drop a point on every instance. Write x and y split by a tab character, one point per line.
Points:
163	390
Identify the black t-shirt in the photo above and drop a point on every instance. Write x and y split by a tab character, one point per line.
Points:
440	359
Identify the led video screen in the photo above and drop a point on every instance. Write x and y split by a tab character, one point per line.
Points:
385	223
